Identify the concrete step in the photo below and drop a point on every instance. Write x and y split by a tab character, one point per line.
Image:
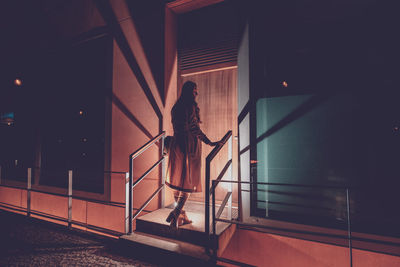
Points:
168	251
154	223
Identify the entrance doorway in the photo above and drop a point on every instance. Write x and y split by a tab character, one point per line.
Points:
207	44
218	112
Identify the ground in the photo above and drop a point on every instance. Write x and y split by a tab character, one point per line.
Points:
31	242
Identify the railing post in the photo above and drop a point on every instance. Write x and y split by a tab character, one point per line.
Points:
207	200
163	173
214	235
126	203
70	199
28	193
130	200
349	227
230	158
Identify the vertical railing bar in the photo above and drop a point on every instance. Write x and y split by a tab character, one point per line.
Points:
130	195
230	158
349	226
207	200
214	235
163	174
207	186
126	203
28	193
70	199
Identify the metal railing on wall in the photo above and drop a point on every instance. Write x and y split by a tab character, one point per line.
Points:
128	205
228	198
346	236
131	185
68	220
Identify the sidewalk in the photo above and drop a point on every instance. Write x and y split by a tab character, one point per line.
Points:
30	242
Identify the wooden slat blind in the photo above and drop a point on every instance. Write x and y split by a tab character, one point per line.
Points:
207	55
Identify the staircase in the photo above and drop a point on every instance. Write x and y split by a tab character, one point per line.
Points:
187	244
192	244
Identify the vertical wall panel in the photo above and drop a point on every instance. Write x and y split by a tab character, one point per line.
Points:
244	124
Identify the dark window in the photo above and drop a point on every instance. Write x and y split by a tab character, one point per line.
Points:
326	114
56	120
73	115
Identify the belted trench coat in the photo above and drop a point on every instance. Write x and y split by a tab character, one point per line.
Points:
184	161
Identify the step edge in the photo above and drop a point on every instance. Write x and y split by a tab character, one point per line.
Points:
167	244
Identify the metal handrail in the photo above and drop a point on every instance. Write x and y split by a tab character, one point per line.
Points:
132	156
146	146
209	158
283	184
215	217
110	203
147	202
128	203
222	173
147	172
216	149
61	219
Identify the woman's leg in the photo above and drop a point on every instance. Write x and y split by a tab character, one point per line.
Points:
183	218
176	196
180	200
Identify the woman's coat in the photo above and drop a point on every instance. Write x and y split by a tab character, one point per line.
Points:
184	164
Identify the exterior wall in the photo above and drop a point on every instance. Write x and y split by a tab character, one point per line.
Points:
11	196
262	249
135	119
100	215
49	204
136	106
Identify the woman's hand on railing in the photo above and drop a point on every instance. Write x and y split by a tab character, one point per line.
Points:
218	143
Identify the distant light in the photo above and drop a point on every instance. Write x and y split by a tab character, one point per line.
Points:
396	128
253	161
18	82
84	139
80	112
83	154
8	123
285	84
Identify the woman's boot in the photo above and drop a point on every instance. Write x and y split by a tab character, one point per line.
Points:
173	218
183	219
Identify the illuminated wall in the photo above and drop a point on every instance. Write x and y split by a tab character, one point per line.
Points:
263	249
218	113
124	107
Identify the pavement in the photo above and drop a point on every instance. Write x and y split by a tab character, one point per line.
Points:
31	242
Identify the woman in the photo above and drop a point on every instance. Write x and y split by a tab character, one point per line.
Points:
183	173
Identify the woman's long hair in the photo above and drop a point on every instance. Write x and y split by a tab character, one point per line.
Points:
187	98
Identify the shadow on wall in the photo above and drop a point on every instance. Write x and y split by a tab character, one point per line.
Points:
122	41
149	22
